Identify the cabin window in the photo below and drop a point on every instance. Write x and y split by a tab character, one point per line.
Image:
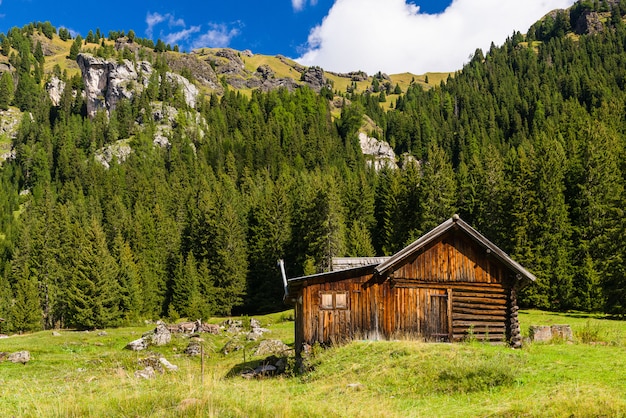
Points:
334	300
327	301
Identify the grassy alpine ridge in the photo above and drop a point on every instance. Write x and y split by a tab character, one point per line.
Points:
84	374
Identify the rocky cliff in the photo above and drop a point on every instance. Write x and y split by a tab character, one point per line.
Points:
107	82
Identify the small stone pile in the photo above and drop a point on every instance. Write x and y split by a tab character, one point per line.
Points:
153	365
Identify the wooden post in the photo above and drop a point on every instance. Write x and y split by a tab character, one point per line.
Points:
450	330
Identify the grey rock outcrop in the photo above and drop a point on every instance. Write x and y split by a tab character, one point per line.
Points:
55	88
108	82
314	77
380	152
118	151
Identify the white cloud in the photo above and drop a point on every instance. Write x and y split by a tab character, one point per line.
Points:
219	36
298	5
153	19
176	37
393	36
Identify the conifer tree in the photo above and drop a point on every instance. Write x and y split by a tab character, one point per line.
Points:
75	48
6	90
94	299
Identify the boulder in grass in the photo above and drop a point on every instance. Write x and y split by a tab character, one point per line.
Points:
137	345
19	357
161	335
147	373
268	347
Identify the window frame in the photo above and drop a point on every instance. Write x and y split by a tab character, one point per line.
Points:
333	305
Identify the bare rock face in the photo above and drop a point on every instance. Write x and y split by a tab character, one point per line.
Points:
381	153
55	88
314	77
589	23
108	82
117	151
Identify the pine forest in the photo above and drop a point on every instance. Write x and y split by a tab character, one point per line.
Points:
526	143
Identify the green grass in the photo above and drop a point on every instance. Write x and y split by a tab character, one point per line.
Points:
84	374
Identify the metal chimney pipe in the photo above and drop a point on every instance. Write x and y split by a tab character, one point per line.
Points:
281	264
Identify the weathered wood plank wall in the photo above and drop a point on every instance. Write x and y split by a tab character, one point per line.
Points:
449	290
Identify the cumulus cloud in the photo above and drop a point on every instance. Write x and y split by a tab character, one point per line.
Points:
185	34
393	36
218	36
153	19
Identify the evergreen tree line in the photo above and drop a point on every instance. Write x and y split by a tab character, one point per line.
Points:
526	143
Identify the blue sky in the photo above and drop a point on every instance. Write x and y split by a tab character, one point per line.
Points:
339	35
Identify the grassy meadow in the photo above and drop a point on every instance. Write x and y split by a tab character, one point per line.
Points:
81	374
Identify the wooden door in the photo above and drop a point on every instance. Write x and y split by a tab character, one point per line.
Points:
437	315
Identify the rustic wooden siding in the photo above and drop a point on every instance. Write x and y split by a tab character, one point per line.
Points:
326	326
454	258
447	291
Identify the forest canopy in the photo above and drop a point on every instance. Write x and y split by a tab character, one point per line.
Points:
526	143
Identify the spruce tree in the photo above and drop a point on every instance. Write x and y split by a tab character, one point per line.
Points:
6	90
94	296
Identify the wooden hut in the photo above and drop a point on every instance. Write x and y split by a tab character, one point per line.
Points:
449	284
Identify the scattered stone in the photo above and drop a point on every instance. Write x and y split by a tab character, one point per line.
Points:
254	335
56	334
147	373
102	333
233	326
355	386
137	345
153	362
169	366
19	357
231	347
545	333
161	335
193	349
268	347
98	344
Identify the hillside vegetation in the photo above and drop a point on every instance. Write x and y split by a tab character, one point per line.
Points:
526	143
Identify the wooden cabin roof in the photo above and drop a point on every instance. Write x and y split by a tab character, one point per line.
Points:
451	224
383	265
344	263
